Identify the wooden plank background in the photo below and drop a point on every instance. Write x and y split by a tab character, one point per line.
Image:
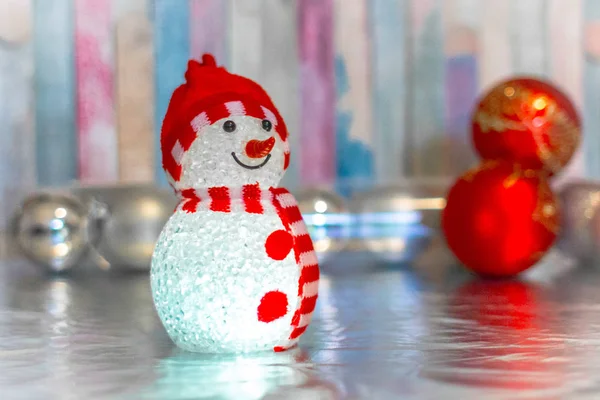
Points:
317	91
53	39
134	91
373	91
426	88
461	23
208	29
591	79
389	27
566	63
280	73
171	53
95	72
17	136
354	134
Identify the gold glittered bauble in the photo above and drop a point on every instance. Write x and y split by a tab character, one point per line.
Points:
527	121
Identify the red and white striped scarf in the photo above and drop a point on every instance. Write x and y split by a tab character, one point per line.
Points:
252	199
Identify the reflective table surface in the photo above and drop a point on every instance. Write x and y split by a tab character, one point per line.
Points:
380	332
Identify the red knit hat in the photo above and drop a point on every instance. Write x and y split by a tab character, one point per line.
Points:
209	94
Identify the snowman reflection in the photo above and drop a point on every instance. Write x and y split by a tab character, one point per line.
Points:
258	376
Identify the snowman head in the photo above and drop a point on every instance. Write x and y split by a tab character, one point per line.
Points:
222	130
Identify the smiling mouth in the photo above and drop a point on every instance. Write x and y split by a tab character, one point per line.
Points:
241	164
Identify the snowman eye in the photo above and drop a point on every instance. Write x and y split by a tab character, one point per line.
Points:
229	126
267	125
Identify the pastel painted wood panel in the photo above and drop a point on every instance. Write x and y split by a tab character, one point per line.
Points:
354	133
17	136
566	55
94	61
528	27
56	139
279	74
245	26
426	101
389	27
461	32
591	78
171	54
318	162
209	29
135	92
495	56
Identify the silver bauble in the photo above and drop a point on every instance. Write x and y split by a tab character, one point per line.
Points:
397	222
579	204
51	230
127	222
326	218
594	229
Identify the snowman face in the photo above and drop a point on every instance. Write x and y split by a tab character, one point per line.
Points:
234	151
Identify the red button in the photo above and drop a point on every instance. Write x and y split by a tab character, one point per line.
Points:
272	306
279	244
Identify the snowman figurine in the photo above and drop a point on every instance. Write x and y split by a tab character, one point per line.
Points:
234	269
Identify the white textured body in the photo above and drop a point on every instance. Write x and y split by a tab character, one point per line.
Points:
209	273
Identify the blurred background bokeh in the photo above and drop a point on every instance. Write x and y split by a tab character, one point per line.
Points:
373	92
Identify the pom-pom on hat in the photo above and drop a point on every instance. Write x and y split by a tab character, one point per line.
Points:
210	94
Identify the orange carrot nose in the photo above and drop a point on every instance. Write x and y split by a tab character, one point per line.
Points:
259	148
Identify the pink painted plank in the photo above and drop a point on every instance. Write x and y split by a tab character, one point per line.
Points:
95	98
566	46
318	158
420	10
462	24
208	29
592	40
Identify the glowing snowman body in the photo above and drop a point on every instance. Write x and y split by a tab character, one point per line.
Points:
233	269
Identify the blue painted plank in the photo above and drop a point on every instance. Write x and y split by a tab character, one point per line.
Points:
17	136
591	118
54	80
172	51
354	157
354	133
591	80
389	28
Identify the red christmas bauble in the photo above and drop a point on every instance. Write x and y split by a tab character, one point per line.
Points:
527	121
500	219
